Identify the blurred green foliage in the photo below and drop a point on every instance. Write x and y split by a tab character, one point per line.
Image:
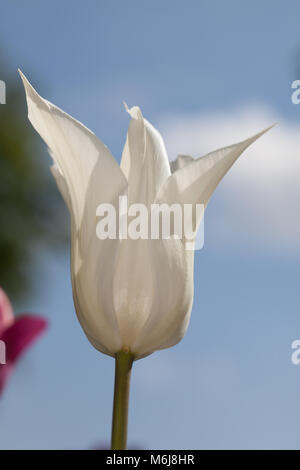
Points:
32	214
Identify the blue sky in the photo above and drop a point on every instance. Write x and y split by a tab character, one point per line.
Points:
230	383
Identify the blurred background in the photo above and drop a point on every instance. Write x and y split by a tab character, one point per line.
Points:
206	74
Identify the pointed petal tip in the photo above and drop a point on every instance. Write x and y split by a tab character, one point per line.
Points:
24	79
134	112
126	106
32	95
254	137
29	90
268	128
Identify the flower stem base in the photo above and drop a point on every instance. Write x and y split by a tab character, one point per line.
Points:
123	365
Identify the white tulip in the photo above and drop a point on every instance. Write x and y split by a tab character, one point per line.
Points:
133	295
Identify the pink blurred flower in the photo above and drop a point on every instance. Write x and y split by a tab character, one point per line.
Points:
17	334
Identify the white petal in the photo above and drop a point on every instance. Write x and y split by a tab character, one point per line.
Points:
77	152
144	160
196	180
93	293
62	185
86	175
180	162
153	298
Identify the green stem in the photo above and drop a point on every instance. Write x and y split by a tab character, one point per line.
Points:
124	360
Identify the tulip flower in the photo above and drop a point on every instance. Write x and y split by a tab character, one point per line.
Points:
16	335
132	297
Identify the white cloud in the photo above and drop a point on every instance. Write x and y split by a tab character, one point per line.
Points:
258	202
